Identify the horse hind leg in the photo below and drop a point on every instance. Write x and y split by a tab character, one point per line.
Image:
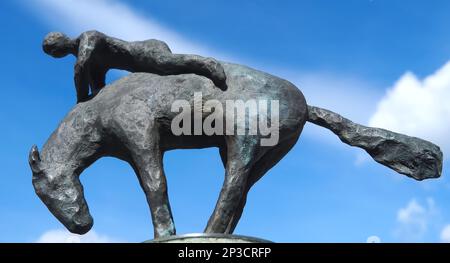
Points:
241	152
259	169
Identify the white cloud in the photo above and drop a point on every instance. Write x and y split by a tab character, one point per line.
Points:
418	107
415	219
445	234
373	239
64	236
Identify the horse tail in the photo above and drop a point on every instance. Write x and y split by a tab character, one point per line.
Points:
407	155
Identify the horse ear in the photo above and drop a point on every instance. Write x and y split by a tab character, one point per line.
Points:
34	160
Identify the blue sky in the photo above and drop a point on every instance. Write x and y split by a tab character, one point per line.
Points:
368	60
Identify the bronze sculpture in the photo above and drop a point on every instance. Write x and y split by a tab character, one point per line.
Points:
132	119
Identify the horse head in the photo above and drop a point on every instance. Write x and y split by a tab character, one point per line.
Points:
56	170
60	189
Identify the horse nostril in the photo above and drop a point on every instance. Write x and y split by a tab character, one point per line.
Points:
81	224
82	228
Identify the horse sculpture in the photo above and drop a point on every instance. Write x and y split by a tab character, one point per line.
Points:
131	120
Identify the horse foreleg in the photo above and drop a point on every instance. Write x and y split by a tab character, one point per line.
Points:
153	181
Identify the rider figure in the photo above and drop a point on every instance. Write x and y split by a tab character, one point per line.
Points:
97	53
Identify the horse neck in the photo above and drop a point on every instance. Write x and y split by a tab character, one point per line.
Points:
76	142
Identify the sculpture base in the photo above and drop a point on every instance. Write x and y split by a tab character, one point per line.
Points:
208	238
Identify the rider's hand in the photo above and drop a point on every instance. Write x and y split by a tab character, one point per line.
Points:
217	73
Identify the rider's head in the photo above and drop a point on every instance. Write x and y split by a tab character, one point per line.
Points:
57	45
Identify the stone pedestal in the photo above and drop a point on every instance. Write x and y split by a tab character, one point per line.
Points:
208	238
